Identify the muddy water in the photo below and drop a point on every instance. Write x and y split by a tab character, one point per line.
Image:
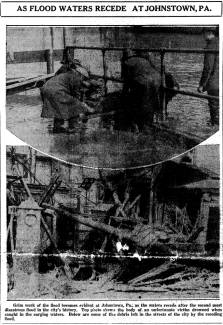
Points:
192	113
91	147
104	148
185	113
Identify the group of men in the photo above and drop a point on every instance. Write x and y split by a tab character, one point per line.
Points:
141	96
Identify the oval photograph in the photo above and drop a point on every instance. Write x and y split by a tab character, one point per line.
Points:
112	97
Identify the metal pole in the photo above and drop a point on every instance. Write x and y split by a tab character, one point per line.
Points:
192	94
166	49
32	83
64	37
49	53
163	92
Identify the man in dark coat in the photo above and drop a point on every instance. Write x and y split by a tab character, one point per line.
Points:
141	90
62	98
210	76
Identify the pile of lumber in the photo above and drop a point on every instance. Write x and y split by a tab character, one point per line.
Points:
174	276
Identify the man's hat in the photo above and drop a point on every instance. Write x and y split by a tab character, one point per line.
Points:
212	29
82	71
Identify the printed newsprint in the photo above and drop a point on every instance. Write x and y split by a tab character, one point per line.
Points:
111	198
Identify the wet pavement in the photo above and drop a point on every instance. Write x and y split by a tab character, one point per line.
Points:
96	147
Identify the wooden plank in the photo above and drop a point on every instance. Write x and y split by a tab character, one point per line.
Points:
204	217
26	84
134	202
151	273
177	276
34	56
131	218
11	81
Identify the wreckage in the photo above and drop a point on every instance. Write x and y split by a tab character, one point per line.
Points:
135	227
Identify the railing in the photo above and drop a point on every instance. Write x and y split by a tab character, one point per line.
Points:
34	81
162	52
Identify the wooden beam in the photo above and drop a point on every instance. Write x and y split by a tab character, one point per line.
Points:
34	56
151	273
27	84
204	217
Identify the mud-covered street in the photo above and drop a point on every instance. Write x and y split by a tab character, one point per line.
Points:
169	281
97	147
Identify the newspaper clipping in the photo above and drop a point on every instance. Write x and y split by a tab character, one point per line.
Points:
111	162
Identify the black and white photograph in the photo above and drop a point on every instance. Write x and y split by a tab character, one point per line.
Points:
80	233
111	162
112	97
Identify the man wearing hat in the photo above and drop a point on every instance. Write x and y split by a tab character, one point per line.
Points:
62	97
141	90
210	75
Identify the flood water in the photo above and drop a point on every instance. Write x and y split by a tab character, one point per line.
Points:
96	147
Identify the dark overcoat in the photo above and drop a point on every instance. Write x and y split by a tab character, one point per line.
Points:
141	88
142	91
61	96
210	74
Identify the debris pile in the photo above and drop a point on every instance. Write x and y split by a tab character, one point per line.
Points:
145	234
